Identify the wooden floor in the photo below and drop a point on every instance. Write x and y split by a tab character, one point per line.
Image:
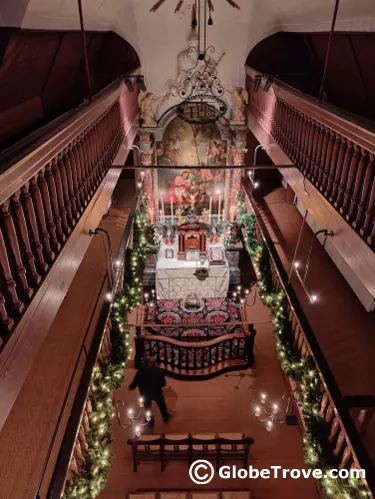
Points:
222	404
343	328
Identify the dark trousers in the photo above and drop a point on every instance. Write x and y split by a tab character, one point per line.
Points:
159	399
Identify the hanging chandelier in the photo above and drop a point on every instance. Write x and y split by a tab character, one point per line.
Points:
200	89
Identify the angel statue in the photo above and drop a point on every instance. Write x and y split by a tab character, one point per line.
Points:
241	98
145	100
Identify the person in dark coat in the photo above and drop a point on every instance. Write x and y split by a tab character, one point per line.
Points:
150	381
249	344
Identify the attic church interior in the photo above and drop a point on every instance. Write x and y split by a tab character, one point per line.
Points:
187	238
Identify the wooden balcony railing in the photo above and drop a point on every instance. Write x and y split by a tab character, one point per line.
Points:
344	438
336	152
72	457
173	353
44	193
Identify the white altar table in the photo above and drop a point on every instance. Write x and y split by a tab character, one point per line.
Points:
175	279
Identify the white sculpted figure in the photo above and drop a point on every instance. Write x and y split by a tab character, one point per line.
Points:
145	100
241	98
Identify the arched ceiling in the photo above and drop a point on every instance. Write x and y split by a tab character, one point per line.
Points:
159	37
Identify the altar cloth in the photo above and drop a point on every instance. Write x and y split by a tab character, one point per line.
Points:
175	279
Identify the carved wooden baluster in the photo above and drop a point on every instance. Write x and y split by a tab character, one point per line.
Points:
330	413
294	135
324	404
291	131
358	184
11	238
28	210
87	165
73	466
333	165
299	125
339	444
334	429
322	157
72	185
338	171
76	177
6	322
54	182
91	161
12	299
86	422
77	167
83	167
65	191
82	438
345	172
309	125
282	125
80	460
345	458
287	128
367	183
302	141
20	222
48	236
328	158
311	166
49	197
317	157
350	182
309	148
371	237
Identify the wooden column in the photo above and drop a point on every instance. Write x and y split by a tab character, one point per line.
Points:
328	158
322	157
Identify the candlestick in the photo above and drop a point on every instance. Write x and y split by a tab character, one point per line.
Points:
219	208
162	210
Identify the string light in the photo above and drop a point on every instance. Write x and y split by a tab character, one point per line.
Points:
108	377
301	370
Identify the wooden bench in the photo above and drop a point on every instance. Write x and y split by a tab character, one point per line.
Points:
189	447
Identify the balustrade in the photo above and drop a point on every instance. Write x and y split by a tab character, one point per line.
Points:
191	356
44	196
343	435
335	153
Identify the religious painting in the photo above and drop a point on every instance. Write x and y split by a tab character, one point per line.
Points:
191	145
199	190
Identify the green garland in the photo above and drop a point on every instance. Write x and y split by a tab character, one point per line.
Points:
108	377
302	370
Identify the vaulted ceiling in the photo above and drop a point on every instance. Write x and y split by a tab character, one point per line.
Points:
158	37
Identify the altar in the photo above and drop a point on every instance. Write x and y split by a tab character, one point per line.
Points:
175	279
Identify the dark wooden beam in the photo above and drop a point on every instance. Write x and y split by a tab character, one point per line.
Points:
362	401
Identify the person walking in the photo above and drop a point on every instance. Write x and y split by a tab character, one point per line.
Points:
150	381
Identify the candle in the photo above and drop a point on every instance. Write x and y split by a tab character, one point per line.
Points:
172	211
210	210
219	209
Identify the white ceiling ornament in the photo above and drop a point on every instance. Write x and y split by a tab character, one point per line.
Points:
180	3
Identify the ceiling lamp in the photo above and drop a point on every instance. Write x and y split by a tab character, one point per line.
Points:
210	4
